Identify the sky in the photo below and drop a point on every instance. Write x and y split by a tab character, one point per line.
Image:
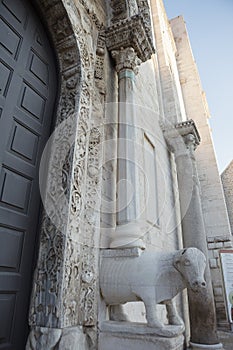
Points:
210	28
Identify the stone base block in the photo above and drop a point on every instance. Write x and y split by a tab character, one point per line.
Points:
70	338
195	346
226	339
125	341
133	340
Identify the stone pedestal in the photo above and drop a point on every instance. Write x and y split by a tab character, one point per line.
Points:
133	336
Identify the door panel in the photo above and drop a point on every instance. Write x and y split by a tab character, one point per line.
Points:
27	98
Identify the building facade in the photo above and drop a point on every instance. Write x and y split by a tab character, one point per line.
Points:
106	155
226	178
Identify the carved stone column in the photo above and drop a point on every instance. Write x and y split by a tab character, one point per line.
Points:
183	140
129	40
128	209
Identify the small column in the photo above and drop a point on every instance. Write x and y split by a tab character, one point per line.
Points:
128	229
183	141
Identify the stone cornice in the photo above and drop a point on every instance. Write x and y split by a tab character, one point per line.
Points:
130	32
189	127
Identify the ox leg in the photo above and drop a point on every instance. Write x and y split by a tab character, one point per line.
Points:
152	315
116	313
172	313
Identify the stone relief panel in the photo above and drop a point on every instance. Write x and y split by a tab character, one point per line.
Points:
46	292
81	265
144	10
123	9
65	280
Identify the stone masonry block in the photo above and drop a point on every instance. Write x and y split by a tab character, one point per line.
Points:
227	244
219	244
218	291
131	341
213	263
218	299
215	253
211	245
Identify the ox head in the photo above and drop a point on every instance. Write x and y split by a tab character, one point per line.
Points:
191	263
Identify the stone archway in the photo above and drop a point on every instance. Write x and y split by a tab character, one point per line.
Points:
64	291
62	34
46	298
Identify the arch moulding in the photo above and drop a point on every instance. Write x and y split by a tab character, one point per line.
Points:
63	297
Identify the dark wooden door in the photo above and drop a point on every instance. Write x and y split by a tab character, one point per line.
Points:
27	99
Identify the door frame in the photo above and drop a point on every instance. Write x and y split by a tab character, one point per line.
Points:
54	16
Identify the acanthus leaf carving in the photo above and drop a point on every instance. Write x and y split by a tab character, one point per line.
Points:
130	32
126	59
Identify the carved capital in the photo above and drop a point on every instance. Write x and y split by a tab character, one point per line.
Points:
130	32
183	138
126	59
190	133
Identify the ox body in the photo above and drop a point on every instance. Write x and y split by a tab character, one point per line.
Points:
153	278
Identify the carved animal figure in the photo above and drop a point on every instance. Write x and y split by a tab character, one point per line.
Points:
152	278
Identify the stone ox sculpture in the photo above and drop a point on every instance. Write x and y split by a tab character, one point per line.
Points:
152	278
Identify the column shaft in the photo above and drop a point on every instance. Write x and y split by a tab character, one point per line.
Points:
127	205
128	230
201	305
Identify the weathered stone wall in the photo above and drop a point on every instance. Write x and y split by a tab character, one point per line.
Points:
163	236
169	78
227	182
